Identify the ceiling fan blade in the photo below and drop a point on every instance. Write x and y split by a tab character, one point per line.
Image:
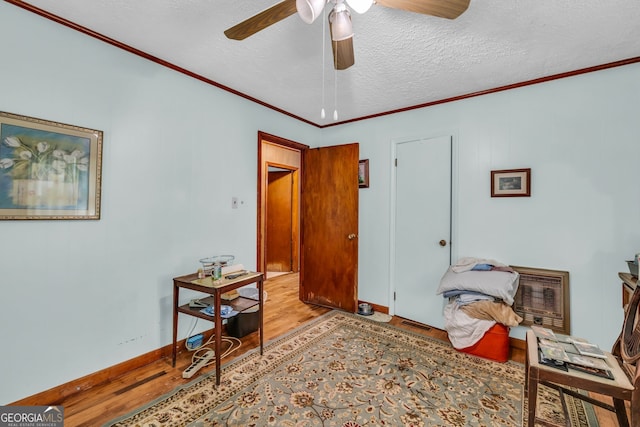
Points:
262	20
449	9
343	56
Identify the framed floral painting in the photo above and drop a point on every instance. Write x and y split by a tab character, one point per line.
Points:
48	170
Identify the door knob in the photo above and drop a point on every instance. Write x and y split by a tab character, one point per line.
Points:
351	236
443	242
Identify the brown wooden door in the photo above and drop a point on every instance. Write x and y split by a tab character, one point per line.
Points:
329	273
280	224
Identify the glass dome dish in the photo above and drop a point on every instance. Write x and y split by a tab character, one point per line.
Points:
210	262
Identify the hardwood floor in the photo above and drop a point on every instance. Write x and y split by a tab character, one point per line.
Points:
283	312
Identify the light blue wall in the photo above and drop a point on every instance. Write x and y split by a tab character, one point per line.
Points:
580	137
79	296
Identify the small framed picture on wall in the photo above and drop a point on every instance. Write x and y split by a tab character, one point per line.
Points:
511	183
363	173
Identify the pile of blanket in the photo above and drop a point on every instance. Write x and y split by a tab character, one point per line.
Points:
480	293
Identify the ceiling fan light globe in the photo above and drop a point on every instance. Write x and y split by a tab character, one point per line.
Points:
309	10
341	27
360	6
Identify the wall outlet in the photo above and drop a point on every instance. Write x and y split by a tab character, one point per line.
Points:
234	203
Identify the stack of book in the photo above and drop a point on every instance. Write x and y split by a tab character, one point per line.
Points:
570	353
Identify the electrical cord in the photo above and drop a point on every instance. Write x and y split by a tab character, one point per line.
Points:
194	322
234	344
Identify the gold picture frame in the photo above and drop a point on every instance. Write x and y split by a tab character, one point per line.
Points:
48	170
511	183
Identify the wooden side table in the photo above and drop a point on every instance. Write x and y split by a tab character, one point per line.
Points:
215	288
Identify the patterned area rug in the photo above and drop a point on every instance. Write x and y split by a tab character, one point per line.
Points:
345	370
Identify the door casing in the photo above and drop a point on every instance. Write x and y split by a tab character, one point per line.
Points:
280	152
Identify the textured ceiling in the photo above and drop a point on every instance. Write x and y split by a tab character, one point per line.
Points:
402	59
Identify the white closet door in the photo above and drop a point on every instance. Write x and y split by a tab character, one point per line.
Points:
422	227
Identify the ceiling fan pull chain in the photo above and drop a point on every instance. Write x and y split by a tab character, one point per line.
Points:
335	111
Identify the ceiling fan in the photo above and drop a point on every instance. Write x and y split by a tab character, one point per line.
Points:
340	19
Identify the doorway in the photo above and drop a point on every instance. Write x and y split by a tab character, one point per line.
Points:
324	224
280	236
279	169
